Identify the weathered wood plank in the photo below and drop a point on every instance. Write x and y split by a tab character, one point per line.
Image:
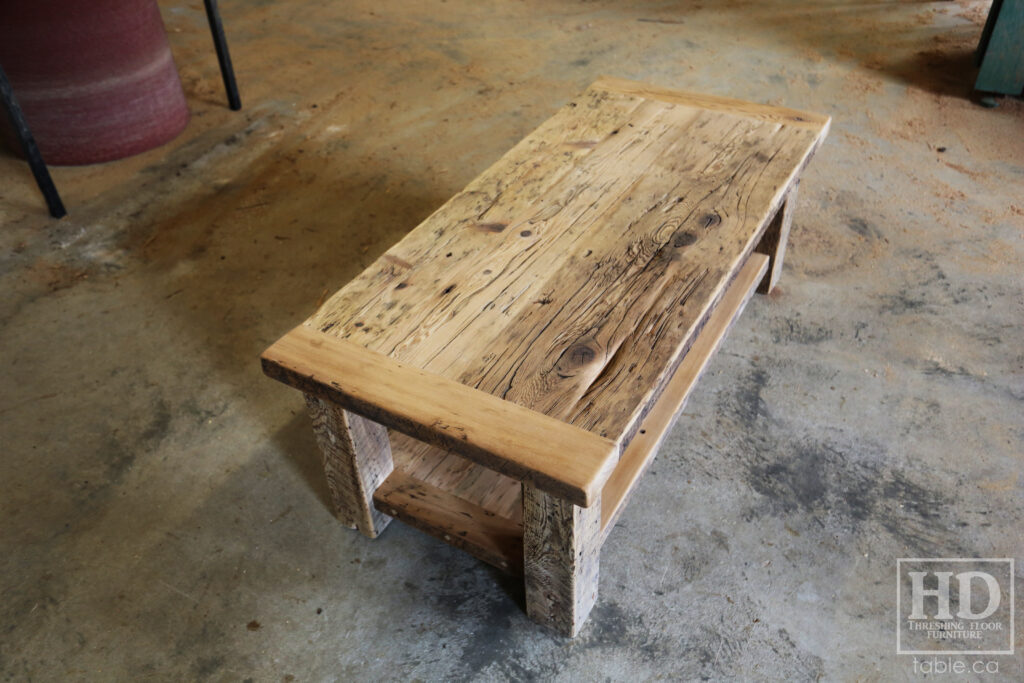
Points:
461	232
561	549
356	455
637	332
498	434
572	277
658	423
483	534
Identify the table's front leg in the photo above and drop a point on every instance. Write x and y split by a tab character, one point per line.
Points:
357	459
773	242
561	552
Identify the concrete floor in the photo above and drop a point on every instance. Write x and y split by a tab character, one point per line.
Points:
163	512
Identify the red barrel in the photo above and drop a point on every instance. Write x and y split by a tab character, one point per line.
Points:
95	79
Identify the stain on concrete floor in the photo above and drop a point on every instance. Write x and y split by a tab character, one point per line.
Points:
160	495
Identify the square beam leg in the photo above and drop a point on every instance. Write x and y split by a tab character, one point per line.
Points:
561	552
357	459
773	242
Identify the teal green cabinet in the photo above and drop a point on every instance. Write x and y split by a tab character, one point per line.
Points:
1001	50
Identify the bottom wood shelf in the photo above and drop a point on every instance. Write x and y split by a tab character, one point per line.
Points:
458	501
480	511
494	539
663	415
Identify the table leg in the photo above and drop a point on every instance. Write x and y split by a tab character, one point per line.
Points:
561	552
31	150
773	242
220	43
357	459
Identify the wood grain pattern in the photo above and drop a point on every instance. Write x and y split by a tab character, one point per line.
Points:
572	276
659	422
773	242
356	455
561	550
500	435
483	534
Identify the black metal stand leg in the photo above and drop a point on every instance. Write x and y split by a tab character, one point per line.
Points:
223	56
28	144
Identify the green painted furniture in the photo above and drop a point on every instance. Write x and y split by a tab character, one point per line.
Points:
1001	50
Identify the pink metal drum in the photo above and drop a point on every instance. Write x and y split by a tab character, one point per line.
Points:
95	79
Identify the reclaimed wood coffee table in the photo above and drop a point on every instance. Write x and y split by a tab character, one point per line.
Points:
502	376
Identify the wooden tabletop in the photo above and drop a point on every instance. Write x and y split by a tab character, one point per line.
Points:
571	277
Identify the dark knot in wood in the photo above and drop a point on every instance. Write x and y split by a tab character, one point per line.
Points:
580	355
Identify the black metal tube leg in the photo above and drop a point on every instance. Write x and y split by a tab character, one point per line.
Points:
28	144
223	56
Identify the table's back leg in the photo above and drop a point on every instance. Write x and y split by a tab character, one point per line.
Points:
561	552
357	459
773	242
29	147
220	44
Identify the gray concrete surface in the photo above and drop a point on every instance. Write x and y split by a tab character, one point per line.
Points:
163	513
